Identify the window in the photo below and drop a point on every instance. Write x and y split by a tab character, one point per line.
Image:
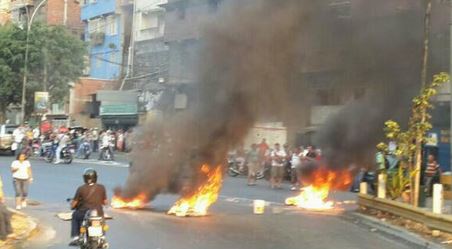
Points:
181	12
213	5
327	97
149	21
341	8
93	25
359	93
111	25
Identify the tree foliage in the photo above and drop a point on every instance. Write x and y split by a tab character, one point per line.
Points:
56	58
418	126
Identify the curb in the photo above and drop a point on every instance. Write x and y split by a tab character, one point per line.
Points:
389	230
32	227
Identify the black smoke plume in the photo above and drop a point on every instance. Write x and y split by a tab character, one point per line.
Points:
253	65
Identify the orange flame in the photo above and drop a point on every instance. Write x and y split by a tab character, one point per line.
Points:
135	203
315	196
207	194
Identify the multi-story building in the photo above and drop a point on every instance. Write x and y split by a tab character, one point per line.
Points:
52	12
150	63
105	33
108	32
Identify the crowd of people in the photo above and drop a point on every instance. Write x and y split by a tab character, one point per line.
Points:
31	140
278	162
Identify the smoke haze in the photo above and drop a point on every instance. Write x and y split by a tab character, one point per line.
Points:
252	64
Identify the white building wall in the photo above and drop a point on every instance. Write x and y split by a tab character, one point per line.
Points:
150	19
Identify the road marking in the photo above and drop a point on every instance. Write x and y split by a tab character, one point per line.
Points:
247	200
104	163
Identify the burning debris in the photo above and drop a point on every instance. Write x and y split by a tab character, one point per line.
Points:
134	203
314	196
199	202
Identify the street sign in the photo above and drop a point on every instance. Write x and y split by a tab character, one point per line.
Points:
118	109
41	102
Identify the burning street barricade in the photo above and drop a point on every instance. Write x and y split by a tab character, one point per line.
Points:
315	195
134	203
199	202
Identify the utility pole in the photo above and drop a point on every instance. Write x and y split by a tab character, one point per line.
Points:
27	48
419	137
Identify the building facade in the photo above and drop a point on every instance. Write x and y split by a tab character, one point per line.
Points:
150	61
52	12
104	32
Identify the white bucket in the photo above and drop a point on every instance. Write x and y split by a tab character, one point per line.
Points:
259	206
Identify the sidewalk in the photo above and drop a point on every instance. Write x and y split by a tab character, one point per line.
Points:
23	227
447	205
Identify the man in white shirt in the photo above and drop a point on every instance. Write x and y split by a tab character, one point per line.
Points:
18	135
63	142
278	156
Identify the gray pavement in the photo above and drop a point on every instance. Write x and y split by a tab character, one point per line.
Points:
230	224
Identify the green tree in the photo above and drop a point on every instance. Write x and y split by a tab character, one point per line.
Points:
56	58
11	64
410	141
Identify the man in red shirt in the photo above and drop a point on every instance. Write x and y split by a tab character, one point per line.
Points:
432	173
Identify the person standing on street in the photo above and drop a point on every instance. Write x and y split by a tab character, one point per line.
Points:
295	164
252	159
278	156
263	150
18	135
95	139
432	174
22	177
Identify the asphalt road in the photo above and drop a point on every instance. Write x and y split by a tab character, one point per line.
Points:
230	224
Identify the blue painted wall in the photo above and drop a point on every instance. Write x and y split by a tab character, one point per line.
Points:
100	7
105	58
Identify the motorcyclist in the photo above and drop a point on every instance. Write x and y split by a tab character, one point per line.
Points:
89	196
63	142
106	144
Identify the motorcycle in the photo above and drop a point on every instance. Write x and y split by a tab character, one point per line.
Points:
238	167
93	231
36	148
106	153
67	153
85	150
